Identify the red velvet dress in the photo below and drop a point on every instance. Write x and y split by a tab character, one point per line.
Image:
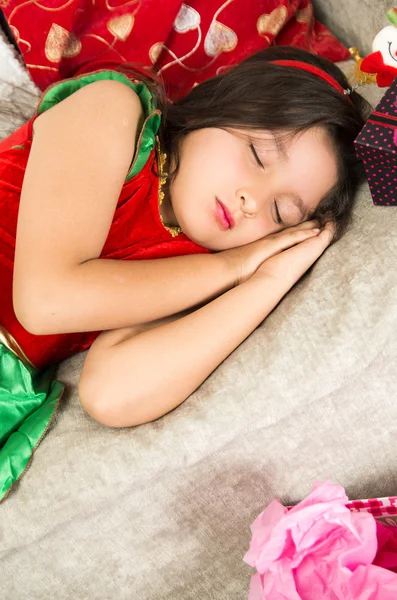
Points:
136	231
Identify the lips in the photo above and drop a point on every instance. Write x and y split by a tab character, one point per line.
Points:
224	216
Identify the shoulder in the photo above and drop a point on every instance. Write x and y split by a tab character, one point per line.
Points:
109	93
107	102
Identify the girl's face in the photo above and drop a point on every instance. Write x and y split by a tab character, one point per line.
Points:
233	188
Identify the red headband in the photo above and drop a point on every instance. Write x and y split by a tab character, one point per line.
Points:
316	71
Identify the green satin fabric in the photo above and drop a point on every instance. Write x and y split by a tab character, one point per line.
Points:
150	127
28	400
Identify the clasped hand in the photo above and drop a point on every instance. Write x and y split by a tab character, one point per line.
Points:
285	255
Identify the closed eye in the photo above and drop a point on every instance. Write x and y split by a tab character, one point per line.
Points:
278	218
257	159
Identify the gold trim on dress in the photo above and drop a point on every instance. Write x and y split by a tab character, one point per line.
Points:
10	342
162	159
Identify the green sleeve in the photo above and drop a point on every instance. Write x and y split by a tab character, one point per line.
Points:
146	141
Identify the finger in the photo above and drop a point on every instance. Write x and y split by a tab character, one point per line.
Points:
330	228
309	224
291	238
322	240
305	225
325	235
308	251
289	266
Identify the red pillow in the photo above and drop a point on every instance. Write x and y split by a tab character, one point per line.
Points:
188	43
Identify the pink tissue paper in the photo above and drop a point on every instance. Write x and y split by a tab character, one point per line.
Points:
322	549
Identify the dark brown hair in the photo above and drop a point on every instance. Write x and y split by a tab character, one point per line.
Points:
258	95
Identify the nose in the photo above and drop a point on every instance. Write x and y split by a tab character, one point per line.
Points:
248	204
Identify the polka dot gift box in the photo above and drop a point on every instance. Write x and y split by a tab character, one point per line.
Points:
376	145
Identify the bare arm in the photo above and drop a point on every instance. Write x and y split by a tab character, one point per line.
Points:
81	152
110	294
150	373
135	376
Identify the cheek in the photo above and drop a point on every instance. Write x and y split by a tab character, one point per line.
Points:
187	185
219	168
256	229
222	156
218	173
